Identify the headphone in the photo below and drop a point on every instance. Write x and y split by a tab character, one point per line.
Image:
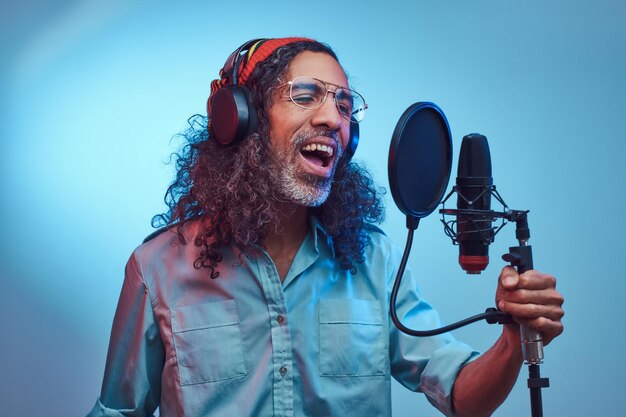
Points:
231	113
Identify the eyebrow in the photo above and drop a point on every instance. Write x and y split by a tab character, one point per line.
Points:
342	93
310	86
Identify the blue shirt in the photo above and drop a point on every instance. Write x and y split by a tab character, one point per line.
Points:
321	343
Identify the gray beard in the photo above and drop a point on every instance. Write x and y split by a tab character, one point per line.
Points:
302	189
294	186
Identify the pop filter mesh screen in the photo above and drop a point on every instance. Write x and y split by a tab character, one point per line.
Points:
420	160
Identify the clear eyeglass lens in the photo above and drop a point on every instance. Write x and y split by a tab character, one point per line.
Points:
310	93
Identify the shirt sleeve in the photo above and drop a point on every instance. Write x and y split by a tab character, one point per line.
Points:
132	377
426	364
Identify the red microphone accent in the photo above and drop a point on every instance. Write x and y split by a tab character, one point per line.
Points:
473	265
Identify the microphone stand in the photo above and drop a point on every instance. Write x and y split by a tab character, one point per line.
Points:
519	257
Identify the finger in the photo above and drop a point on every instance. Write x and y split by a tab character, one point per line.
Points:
543	297
509	278
531	311
535	280
549	329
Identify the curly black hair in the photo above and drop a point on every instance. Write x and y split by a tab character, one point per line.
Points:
229	188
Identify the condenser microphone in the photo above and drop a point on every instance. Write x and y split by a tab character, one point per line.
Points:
473	185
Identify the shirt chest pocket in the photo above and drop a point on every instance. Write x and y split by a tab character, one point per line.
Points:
207	340
352	340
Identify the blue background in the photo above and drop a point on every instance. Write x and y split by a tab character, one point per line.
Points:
93	92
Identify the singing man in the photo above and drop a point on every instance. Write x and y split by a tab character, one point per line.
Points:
267	293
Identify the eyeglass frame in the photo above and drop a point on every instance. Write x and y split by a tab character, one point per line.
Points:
352	92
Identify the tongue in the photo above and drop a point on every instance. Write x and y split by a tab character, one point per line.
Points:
313	158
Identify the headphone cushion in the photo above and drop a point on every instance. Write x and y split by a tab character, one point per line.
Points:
354	140
232	115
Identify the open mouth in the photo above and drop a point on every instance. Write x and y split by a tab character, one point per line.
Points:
318	154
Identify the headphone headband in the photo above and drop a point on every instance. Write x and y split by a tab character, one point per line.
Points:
231	67
243	61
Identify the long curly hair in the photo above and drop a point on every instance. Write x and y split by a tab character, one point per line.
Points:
229	190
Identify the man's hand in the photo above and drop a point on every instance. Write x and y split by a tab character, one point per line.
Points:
532	299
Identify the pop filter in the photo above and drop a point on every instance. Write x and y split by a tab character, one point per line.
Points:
420	159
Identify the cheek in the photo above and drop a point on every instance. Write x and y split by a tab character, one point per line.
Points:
281	131
286	127
345	135
283	122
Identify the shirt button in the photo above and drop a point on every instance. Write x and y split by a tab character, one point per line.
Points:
280	319
283	370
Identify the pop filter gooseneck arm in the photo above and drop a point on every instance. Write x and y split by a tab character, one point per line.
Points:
421	152
491	315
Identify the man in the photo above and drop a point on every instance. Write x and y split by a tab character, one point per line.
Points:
268	294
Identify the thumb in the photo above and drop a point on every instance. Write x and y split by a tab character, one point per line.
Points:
509	278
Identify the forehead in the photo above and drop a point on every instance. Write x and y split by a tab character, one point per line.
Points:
317	65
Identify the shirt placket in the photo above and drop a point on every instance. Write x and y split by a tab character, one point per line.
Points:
282	372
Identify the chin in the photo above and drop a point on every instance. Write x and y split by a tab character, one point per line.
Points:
308	195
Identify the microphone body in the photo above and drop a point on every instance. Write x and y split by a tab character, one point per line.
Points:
474	182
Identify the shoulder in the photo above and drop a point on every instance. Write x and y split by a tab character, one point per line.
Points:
165	245
164	237
159	232
378	238
163	262
374	230
380	250
168	235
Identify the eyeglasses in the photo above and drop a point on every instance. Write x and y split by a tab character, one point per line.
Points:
311	93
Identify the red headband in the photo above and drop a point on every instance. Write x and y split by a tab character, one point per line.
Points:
256	53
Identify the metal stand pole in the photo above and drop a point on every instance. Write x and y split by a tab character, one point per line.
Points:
532	343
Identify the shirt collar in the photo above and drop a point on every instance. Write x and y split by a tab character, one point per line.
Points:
320	235
316	243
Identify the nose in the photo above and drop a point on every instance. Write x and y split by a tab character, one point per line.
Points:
327	116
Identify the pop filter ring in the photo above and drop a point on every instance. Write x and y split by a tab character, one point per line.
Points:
421	137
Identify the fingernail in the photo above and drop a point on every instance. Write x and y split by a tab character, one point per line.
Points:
509	280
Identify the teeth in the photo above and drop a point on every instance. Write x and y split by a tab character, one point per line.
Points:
319	147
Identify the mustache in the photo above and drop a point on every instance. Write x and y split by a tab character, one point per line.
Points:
302	137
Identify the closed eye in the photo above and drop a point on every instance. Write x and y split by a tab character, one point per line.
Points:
344	108
344	102
303	98
307	94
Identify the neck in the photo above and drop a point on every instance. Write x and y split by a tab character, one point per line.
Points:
283	244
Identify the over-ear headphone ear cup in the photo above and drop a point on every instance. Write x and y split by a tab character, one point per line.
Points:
232	115
354	140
